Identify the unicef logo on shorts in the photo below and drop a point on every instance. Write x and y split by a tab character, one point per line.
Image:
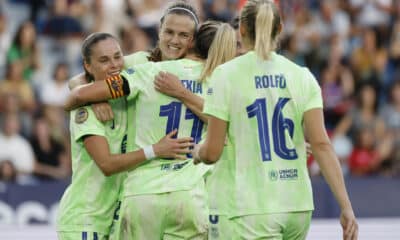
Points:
273	175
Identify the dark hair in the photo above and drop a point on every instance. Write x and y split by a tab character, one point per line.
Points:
178	8
262	21
235	23
87	46
18	35
216	43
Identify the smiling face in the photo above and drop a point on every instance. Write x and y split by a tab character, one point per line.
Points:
106	59
176	36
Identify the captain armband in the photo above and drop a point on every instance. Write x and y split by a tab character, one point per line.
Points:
118	86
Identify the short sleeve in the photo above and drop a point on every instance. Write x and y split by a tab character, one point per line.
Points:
135	81
84	122
312	92
218	95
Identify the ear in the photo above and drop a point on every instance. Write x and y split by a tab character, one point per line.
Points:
242	30
280	28
87	67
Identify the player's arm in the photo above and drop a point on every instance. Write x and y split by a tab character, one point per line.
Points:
102	110
170	85
167	147
330	167
97	91
210	151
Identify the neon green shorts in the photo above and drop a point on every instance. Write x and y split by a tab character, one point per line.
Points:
81	236
172	215
279	226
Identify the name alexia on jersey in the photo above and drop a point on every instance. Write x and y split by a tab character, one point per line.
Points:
270	81
193	86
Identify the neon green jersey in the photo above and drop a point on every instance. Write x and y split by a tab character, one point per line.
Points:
157	114
89	202
136	58
264	103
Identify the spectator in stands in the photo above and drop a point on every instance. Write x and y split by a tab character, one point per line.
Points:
362	115
55	92
8	173
61	24
15	148
337	85
367	155
24	48
5	41
368	61
134	39
223	10
51	159
15	84
390	113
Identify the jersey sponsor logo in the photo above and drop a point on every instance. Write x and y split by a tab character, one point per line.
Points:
81	115
173	167
283	174
270	81
193	86
273	175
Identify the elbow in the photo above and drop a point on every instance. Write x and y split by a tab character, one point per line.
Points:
106	169
210	157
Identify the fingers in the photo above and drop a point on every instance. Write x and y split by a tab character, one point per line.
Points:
184	139
172	133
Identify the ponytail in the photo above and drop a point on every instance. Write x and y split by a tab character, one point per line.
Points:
262	23
263	29
222	49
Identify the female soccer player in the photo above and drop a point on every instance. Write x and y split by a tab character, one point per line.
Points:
261	101
87	207
165	198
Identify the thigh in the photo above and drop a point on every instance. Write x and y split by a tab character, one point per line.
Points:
297	225
187	214
141	217
262	226
279	226
220	228
81	236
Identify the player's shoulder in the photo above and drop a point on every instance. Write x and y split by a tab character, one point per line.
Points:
136	58
289	65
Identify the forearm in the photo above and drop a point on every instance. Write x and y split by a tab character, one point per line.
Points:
332	172
116	163
194	103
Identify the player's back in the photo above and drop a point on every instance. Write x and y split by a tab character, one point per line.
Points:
157	114
264	103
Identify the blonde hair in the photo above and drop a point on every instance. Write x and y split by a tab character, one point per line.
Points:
222	49
262	21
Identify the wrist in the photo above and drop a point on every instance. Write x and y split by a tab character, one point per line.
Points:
149	152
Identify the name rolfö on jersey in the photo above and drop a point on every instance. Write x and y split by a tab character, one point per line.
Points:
193	86
270	81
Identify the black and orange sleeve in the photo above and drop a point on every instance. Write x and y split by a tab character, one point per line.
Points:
118	86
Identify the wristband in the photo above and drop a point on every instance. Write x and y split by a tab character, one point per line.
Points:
149	152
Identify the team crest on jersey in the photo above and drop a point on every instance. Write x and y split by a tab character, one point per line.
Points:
81	115
130	71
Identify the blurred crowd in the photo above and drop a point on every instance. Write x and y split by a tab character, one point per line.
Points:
351	46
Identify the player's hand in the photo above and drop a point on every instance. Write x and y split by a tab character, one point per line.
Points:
168	84
308	149
169	147
196	157
349	225
103	111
